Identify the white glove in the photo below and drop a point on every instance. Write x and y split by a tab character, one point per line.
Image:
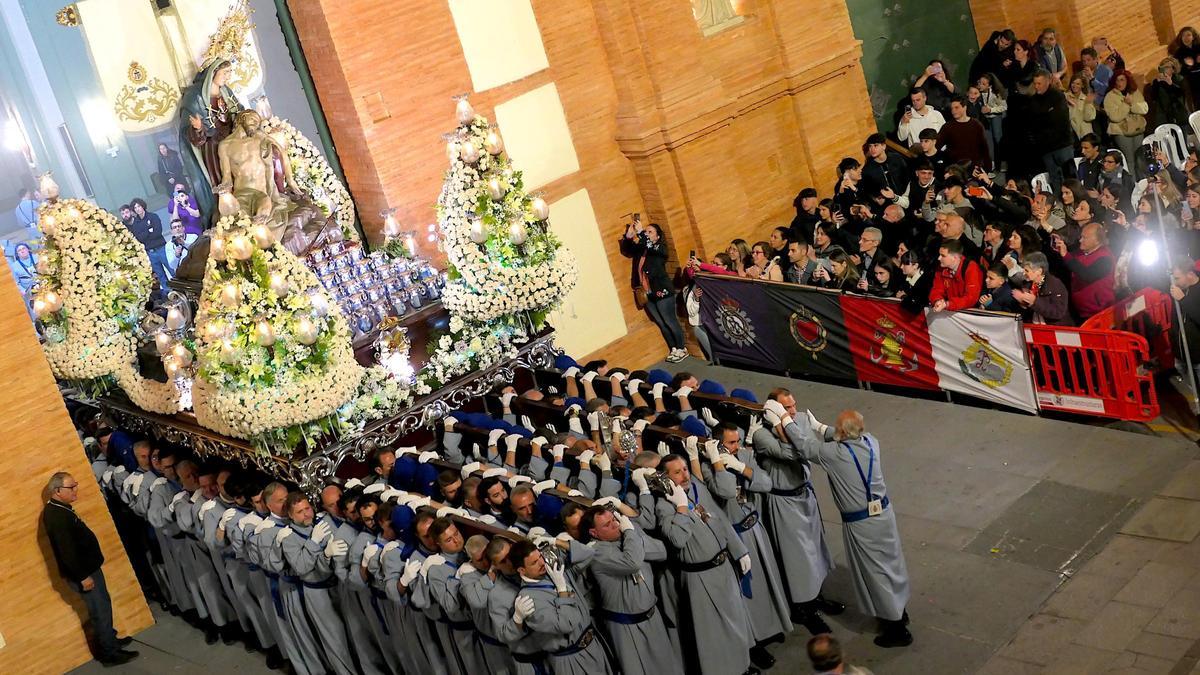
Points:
470	468
632	387
197	496
494	437
657	390
266	524
709	418
336	547
624	523
487	519
352	483
558	451
564	538
772	419
411	569
712	450
744	563
407	450
593	419
208	506
424	457
128	481
683	392
571	372
640	426
692	447
435	559
616	427
755	425
477	453
522	609
137	483
663	449
448	510
284	533
495	471
226	517
506	399
639	479
320	531
588	376
678	497
816	425
518	479
775	407
418	502
448	423
391	546
575	425
538	442
604	501
603	461
733	464
511	441
574	493
391	493
527	423
106	477
375	488
540	539
368	553
538	531
464	569
157	482
586	456
249	519
574	409
541	486
559	577
179	496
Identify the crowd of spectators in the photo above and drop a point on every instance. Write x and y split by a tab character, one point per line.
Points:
1026	189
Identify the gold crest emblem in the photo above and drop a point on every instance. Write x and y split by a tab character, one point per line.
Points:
984	364
137	74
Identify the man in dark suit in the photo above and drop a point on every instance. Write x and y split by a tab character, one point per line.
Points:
79	559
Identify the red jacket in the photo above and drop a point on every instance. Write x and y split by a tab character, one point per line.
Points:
1092	284
960	289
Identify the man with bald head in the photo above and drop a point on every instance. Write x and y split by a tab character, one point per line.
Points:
1093	287
850	457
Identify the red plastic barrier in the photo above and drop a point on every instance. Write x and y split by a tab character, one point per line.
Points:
1148	313
1092	372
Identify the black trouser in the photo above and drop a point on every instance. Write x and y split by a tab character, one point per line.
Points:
99	607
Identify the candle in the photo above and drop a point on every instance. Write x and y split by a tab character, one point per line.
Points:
173	369
516	232
229	353
464	111
182	354
212	329
496	189
231	295
53	301
541	210
164	342
263	236
264	333
39	307
227	204
478	234
391	227
175	319
48	224
493	144
279	285
306	331
469	152
239	247
320	304
452	151
216	248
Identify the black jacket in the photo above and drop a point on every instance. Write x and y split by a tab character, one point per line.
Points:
655	268
1050	116
75	547
892	173
632	249
148	230
990	59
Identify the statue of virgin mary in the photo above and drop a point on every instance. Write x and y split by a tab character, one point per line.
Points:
206	116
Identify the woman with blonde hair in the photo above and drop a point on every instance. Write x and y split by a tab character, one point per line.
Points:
1082	108
1166	92
1126	109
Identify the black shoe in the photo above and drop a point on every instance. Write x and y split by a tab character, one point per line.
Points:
124	642
830	607
905	617
275	660
230	633
211	634
120	658
761	658
895	635
251	641
813	622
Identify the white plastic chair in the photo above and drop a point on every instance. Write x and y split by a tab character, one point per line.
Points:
1138	190
1194	122
1124	162
1041	182
1175	143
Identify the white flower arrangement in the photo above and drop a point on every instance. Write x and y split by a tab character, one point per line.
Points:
469	346
313	175
272	356
502	259
381	394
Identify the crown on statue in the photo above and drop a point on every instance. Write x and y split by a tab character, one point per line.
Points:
232	34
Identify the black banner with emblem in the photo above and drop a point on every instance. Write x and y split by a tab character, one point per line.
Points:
742	323
820	344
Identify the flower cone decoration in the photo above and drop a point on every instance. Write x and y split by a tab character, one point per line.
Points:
313	175
274	350
503	260
92	284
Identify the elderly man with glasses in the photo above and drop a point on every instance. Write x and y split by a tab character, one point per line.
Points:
79	558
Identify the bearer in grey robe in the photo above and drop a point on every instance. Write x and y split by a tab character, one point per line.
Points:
475	583
552	616
238	566
309	551
440	573
711	560
170	539
527	655
735	479
263	552
213	519
851	459
626	594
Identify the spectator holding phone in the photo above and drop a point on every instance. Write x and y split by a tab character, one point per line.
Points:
937	86
917	117
1186	49
184	208
1166	92
963	138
